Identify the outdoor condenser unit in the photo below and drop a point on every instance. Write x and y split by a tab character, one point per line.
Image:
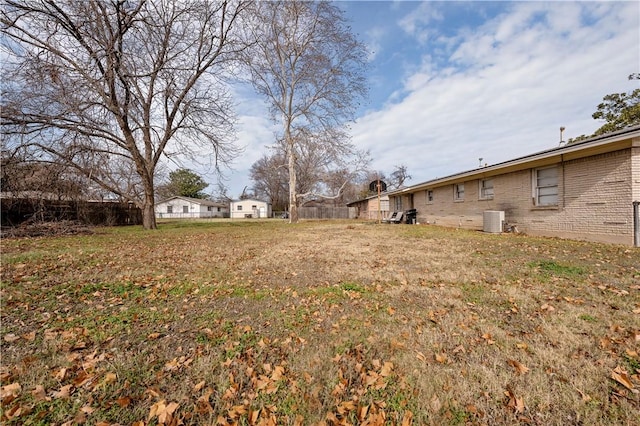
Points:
492	221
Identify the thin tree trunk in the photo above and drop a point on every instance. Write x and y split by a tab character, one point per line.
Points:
293	201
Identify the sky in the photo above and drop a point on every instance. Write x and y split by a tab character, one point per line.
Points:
452	82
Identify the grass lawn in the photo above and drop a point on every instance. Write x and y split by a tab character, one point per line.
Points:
336	323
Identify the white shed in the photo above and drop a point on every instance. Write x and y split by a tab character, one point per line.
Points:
186	208
250	208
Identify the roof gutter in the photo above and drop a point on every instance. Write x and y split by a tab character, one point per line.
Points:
599	141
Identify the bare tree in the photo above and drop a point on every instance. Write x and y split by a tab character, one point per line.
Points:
108	87
310	68
270	179
399	176
323	170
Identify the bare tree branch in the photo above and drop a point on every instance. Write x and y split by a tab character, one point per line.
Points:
107	87
310	69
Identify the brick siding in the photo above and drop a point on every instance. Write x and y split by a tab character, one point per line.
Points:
595	196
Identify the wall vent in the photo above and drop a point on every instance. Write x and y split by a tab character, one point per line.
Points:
493	221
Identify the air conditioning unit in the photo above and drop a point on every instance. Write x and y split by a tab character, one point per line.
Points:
492	221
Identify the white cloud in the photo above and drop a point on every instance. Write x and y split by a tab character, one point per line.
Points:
515	80
417	23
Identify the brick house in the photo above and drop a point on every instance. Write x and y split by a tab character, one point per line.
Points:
588	190
372	208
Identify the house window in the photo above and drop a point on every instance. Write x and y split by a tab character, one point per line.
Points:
185	209
254	207
218	208
239	207
398	203
169	209
210	208
546	186
429	195
486	189
458	192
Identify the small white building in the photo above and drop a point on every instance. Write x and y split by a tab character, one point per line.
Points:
250	208
190	208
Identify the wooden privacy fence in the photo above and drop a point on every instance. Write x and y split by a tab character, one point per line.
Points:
16	211
327	212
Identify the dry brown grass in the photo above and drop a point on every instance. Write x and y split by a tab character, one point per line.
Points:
318	323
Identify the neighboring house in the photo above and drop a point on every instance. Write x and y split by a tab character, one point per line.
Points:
588	190
250	208
372	208
185	207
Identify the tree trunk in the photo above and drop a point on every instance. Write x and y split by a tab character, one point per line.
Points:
148	209
149	216
293	201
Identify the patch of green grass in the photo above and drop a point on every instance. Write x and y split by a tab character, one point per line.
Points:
588	318
351	286
551	267
474	293
632	363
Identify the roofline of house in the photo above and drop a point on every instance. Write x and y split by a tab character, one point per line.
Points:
250	199
370	197
194	200
565	152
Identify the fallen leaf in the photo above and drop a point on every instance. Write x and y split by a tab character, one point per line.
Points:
10	338
520	368
13	389
60	374
547	307
39	394
123	401
13	412
516	403
109	378
441	358
87	409
278	373
585	397
362	411
407	419
622	377
63	393
198	387
386	369
163	411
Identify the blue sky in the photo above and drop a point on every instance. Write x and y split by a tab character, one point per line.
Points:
451	82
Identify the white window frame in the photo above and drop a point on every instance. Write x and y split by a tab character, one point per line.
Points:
485	192
185	209
169	209
545	186
239	207
458	191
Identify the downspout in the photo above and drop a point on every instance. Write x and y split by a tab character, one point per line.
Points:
564	186
636	223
